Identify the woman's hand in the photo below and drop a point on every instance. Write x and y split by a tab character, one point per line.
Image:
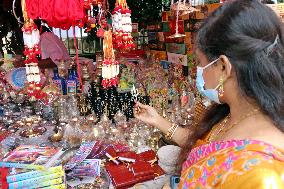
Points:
147	114
150	116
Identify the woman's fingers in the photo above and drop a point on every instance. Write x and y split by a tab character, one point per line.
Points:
139	116
138	104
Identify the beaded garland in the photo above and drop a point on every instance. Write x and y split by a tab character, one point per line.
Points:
110	67
32	52
122	26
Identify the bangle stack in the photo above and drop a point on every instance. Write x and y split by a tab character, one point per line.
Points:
171	131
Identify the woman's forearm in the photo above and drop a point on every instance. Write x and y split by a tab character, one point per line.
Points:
180	136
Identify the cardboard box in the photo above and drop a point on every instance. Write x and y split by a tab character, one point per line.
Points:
161	55
187	39
177	58
180	26
176	48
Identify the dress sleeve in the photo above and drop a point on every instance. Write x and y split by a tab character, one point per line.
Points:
258	178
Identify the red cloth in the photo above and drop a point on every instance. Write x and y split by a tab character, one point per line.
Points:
52	47
57	13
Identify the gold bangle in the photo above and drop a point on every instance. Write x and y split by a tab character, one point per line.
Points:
171	131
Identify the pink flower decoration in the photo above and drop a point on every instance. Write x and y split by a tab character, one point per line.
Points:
100	33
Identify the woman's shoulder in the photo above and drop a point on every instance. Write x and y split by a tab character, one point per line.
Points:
263	176
219	162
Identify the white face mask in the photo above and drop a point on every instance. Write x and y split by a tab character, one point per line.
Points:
212	94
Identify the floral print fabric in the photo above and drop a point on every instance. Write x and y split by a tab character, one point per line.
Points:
212	165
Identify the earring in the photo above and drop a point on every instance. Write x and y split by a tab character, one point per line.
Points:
221	88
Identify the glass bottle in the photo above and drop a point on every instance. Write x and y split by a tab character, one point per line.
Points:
72	82
59	81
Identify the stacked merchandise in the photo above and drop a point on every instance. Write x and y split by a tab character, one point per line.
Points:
126	169
156	42
177	49
50	178
81	167
32	167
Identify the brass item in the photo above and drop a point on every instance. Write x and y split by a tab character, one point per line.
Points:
56	137
33	132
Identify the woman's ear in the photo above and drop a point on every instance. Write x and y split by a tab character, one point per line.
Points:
226	66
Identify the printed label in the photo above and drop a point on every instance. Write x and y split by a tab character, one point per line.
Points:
71	87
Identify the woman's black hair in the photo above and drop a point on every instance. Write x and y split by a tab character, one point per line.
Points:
250	34
41	27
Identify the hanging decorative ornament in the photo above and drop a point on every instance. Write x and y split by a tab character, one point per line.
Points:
117	26
31	41
185	6
181	6
122	26
100	33
110	67
97	18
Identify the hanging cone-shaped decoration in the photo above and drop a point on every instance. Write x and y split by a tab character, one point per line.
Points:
110	67
122	26
177	34
184	5
181	8
31	41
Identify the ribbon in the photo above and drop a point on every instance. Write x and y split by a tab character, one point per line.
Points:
77	60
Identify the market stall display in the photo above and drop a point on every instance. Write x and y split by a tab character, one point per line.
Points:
72	126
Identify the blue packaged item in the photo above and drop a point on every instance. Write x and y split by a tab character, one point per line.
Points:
72	82
59	81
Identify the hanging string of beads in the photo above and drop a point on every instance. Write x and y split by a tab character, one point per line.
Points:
110	67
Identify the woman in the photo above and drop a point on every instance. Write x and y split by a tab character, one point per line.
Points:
240	58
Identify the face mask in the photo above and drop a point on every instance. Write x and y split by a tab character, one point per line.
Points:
212	94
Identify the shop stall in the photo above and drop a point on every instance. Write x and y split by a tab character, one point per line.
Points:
68	122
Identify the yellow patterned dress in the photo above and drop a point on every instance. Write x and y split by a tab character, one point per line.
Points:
235	164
